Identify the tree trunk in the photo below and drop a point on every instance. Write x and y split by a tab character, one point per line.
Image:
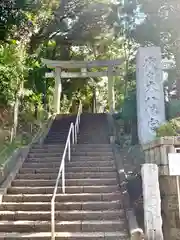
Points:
15	121
18	95
94	110
36	111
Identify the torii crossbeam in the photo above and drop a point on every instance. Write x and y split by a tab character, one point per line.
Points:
85	67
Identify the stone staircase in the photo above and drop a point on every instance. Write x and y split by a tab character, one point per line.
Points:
59	129
92	206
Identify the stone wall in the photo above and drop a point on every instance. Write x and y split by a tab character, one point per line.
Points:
170	207
157	152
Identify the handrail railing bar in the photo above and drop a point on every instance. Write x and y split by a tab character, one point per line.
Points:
53	205
59	175
61	169
74	130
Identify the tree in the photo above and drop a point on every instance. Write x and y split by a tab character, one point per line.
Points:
159	27
75	22
126	85
52	30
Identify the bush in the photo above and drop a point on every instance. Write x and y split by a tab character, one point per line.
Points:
170	128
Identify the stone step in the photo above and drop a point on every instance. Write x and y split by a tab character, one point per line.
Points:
61	125
78	153
101	163
74	146
70	164
68	175
68	169
75	215
68	182
73	158
73	226
56	141
58	128
50	139
48	150
74	149
81	146
57	132
90	138
61	139
122	235
65	206
62	197
92	206
70	189
53	136
58	135
86	141
47	146
87	131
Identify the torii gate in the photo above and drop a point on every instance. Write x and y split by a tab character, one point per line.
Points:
84	67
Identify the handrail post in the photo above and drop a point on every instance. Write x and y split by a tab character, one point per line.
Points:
69	150
79	117
63	179
78	125
52	220
73	134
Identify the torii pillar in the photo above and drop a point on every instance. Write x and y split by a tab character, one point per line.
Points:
58	90
111	99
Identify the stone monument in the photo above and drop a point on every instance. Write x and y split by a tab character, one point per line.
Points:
150	94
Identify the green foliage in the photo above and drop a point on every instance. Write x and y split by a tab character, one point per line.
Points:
12	71
170	128
129	112
76	22
174	108
72	30
158	26
129	107
7	151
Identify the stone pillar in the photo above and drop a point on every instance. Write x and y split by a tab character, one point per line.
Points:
152	202
150	94
170	207
111	100
58	90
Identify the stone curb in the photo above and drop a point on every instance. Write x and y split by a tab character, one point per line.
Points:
135	232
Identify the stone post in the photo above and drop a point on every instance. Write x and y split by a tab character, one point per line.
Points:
152	202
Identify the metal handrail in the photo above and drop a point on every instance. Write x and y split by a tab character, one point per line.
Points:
73	131
77	123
